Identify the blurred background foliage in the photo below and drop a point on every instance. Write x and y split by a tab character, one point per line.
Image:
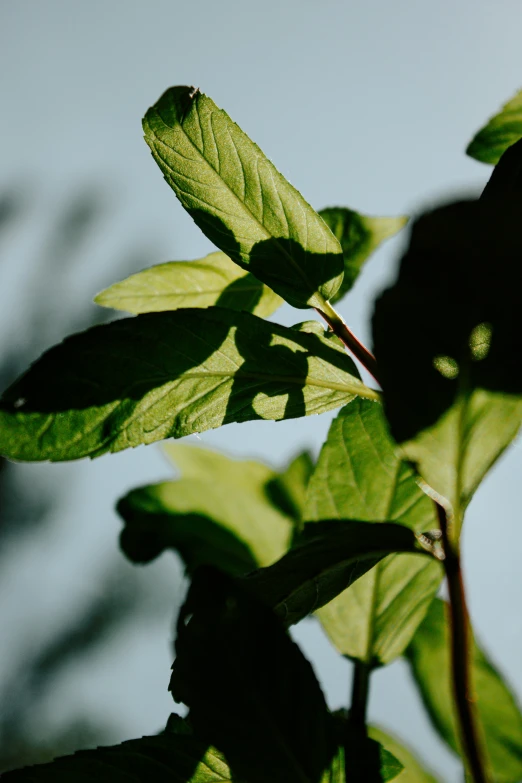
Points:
51	309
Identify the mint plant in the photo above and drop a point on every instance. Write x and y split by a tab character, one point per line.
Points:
363	538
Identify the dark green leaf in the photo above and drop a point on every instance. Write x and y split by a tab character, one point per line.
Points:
359	236
162	375
360	475
429	658
250	691
329	556
218	513
239	199
167	758
454	315
505	183
414	771
370	761
213	280
502	130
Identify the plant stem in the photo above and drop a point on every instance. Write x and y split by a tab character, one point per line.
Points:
338	326
360	693
461	657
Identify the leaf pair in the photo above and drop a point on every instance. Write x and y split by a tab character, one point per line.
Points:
248	209
217	280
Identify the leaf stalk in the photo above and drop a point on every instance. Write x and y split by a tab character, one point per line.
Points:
344	333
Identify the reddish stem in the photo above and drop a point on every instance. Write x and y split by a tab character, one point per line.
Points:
337	325
461	657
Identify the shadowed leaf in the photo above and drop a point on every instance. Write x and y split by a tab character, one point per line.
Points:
251	692
359	236
454	313
328	557
167	758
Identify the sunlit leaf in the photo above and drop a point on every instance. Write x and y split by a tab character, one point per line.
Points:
502	130
213	280
360	475
161	375
500	716
219	512
359	236
455	403
239	199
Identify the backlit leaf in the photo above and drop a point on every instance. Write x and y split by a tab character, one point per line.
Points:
414	771
163	375
239	199
502	130
219	512
360	475
213	280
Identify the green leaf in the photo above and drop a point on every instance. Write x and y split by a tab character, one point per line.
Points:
219	512
161	375
168	758
413	771
454	315
502	130
360	475
287	491
213	280
359	236
239	199
429	658
369	759
250	690
328	557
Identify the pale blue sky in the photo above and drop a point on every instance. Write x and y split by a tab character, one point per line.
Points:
368	104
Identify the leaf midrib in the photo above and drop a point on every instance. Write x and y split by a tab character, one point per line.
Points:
184	293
